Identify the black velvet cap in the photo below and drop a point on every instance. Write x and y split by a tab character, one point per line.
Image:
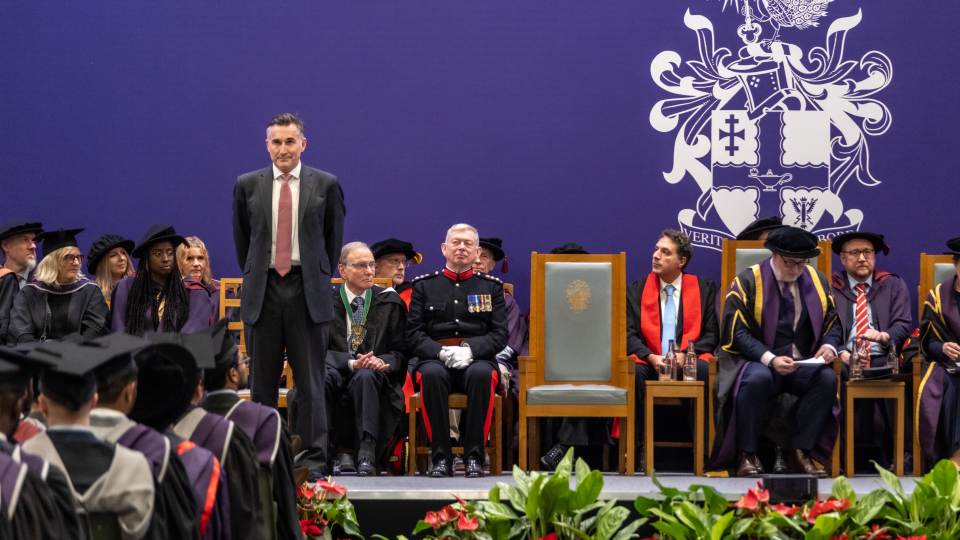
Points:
13	228
102	246
60	238
393	245
157	233
495	245
876	239
753	230
570	248
167	378
953	245
792	242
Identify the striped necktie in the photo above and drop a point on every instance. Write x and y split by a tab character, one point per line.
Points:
862	323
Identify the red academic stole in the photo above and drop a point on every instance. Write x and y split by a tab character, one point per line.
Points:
650	312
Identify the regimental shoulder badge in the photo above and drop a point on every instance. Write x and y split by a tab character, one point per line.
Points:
424	276
491	278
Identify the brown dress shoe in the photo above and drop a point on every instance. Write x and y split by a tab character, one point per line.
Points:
800	463
749	465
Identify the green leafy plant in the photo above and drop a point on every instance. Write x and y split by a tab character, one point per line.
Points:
325	512
537	506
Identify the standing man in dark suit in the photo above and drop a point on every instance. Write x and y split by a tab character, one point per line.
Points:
288	227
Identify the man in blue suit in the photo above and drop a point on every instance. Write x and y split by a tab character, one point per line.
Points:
288	228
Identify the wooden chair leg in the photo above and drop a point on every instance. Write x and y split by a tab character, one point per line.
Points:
848	436
648	433
898	443
497	465
698	436
522	441
533	449
630	444
412	435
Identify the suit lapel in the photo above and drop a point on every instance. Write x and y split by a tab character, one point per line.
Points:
265	192
307	185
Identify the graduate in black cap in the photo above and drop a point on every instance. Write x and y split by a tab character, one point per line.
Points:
175	513
112	485
263	427
166	383
34	494
778	312
157	299
108	261
761	228
60	300
939	400
229	443
393	257
19	247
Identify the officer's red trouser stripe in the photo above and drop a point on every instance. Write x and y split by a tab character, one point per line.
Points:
423	409
494	381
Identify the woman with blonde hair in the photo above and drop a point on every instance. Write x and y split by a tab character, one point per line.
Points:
60	300
194	261
108	261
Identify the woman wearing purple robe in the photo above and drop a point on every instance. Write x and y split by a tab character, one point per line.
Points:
938	416
157	299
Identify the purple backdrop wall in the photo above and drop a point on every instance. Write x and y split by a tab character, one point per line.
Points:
529	119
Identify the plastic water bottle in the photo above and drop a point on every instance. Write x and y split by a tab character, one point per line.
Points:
690	364
893	360
666	370
856	369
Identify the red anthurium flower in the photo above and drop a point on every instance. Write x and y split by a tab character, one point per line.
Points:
332	488
754	497
313	530
842	536
432	519
784	510
553	536
305	491
878	533
824	507
466	523
448	513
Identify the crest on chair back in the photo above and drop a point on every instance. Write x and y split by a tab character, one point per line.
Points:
772	127
578	295
577	320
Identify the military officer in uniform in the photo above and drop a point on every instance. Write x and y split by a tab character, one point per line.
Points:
456	326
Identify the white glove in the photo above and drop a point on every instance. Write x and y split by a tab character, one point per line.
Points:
463	354
504	376
446	355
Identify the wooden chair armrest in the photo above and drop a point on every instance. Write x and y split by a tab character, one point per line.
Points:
629	367
527	365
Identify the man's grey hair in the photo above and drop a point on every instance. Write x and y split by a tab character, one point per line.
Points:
461	227
349	248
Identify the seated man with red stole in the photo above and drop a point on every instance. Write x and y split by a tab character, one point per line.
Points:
776	313
669	304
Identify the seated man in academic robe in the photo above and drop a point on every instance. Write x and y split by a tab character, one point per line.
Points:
34	494
455	327
393	258
669	305
262	425
167	378
18	242
174	513
365	361
113	486
238	456
777	313
939	408
874	310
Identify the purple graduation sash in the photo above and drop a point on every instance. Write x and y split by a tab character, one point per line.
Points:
262	425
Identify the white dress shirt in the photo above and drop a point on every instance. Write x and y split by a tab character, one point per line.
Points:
295	199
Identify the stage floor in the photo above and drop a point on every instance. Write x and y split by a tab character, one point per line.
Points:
399	488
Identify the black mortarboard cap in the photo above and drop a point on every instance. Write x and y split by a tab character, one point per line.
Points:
13	228
120	348
876	239
953	245
165	385
392	245
17	367
102	246
753	230
60	238
569	248
157	233
70	379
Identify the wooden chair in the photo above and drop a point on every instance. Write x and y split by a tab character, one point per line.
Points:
673	390
493	447
875	389
577	365
934	269
736	256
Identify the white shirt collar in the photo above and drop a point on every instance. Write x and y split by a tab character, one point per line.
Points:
222	391
104	412
675	283
295	173
350	295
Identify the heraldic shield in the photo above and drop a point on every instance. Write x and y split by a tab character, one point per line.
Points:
777	163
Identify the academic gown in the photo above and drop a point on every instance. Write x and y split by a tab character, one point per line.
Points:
202	312
238	457
748	329
41	312
106	480
385	327
208	482
9	288
263	426
938	418
44	506
174	514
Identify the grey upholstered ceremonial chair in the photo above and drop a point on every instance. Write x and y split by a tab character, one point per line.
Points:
578	364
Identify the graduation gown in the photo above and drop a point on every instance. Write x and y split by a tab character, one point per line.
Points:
209	484
238	458
263	426
203	309
174	514
105	479
386	324
9	288
33	319
34	497
938	409
889	300
748	330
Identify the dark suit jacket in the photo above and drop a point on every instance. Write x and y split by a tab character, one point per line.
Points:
709	326
320	220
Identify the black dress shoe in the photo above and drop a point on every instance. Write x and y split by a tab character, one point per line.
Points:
346	463
317	473
800	463
749	465
552	458
473	467
365	467
779	461
440	468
